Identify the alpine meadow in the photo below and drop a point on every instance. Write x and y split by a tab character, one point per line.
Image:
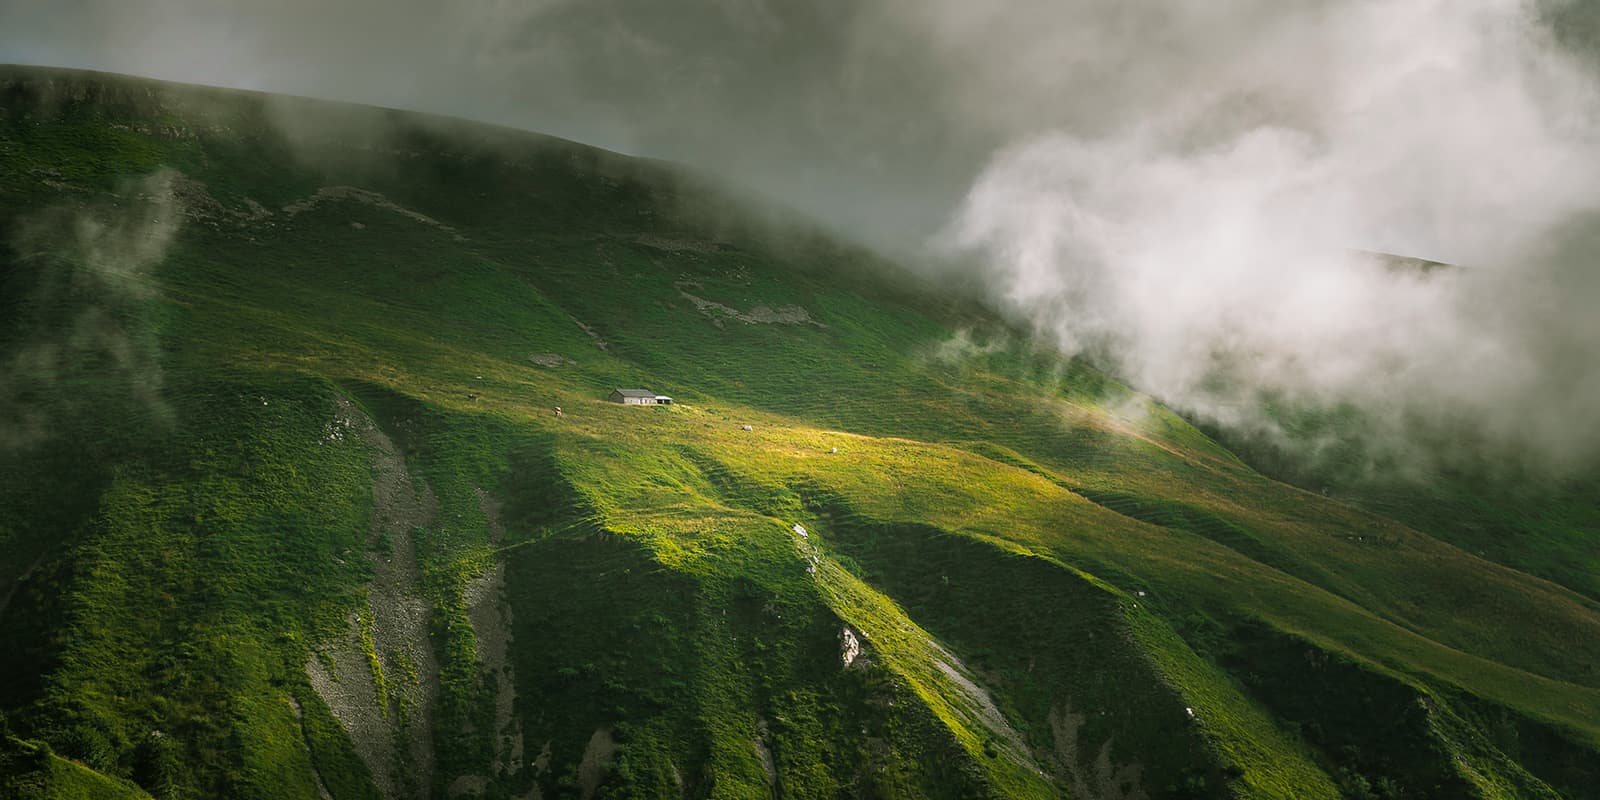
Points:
310	487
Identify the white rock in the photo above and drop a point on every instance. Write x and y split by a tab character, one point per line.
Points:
849	647
801	529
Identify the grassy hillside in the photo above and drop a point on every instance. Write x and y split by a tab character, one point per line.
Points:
1520	515
30	771
287	509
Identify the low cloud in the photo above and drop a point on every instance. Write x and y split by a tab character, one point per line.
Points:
1190	191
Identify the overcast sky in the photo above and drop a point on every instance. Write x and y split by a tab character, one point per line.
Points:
810	102
875	113
1182	185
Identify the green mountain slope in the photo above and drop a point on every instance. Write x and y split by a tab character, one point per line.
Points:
287	508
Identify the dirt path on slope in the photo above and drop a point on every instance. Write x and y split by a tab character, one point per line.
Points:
300	719
976	705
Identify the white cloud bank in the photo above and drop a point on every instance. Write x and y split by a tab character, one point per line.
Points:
1214	241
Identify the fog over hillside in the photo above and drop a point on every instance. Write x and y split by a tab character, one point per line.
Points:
1186	190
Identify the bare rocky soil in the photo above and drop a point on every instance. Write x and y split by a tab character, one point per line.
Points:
490	616
380	676
371	198
596	756
758	315
1101	780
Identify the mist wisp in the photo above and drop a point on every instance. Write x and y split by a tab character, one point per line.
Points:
84	341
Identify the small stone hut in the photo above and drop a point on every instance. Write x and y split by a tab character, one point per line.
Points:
639	397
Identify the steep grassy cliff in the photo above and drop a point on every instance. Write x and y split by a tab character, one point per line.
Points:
287	509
